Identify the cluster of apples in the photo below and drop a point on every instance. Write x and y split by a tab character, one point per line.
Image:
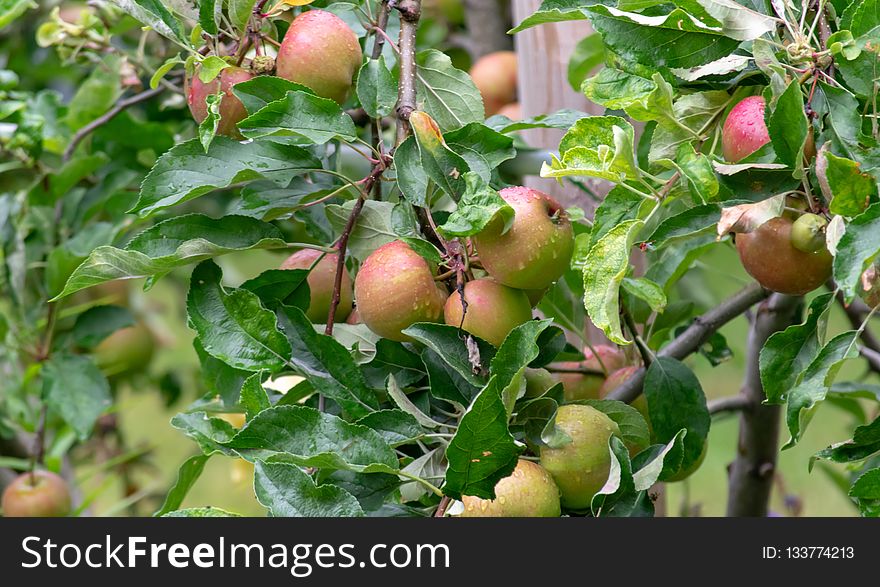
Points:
786	254
319	51
495	76
396	287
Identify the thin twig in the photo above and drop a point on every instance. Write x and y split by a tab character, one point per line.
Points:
733	403
107	117
445	502
644	351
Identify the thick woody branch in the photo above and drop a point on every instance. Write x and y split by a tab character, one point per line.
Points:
488	22
107	117
734	403
695	336
410	12
753	470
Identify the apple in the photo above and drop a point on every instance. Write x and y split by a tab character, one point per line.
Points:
321	280
493	310
578	386
126	351
538	381
232	111
495	76
744	131
40	494
769	256
529	492
320	51
395	288
512	111
808	233
580	468
537	248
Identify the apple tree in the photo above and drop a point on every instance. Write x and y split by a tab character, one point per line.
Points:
421	348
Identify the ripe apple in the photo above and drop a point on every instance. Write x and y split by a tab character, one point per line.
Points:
744	131
126	351
769	256
395	288
808	233
537	248
578	386
320	51
493	310
580	468
495	76
512	111
321	280
232	111
529	492
40	494
538	381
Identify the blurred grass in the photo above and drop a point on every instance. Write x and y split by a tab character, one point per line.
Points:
227	483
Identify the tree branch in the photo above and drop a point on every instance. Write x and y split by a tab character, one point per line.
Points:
752	472
488	22
410	12
107	117
695	336
733	403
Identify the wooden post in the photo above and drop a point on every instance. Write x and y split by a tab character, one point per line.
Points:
544	52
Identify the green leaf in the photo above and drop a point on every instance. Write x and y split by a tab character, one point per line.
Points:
483	451
309	438
665	461
737	21
675	401
376	88
302	118
208	512
442	165
692	221
163	70
788	127
598	146
411	177
618	497
396	427
209	13
276	286
76	390
618	206
693	111
327	365
676	39
518	350
858	247
286	491
254	398
210	67
850	189
187	475
172	28
561	119
12	9
482	147
477	208
588	54
864	443
96	324
555	11
187	171
699	173
234	327
787	354
447	343
450	96
866	491
96	95
260	91
402	401
239	13
209	126
647	291
173	243
815	381
604	269
379	223
218	378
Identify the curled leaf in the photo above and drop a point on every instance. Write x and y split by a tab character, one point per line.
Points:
748	217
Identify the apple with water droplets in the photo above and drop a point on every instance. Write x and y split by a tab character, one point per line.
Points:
528	492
